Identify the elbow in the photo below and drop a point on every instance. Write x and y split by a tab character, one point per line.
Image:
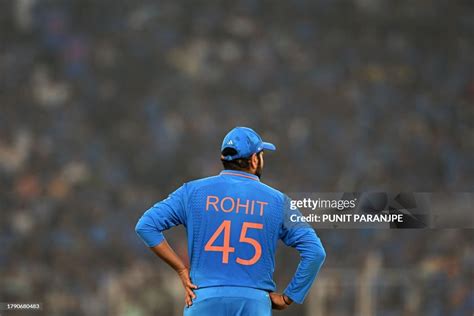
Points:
317	255
321	254
139	228
150	235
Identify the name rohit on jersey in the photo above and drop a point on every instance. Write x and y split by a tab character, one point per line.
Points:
229	204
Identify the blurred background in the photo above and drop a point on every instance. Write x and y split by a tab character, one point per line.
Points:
107	106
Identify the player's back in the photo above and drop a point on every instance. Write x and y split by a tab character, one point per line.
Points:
233	223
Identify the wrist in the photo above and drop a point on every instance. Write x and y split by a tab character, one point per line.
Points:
180	270
287	300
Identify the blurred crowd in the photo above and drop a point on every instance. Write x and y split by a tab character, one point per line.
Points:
107	106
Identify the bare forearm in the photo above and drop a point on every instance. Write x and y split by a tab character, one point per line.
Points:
167	254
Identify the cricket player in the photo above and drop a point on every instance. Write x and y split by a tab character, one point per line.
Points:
233	223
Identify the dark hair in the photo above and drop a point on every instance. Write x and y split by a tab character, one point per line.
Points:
241	164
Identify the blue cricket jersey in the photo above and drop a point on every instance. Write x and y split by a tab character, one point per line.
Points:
233	223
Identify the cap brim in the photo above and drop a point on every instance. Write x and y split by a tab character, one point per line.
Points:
268	146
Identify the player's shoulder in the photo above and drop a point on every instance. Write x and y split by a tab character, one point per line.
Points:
272	191
202	182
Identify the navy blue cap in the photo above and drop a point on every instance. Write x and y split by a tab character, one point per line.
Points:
245	141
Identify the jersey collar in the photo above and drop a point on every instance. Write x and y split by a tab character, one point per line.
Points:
241	174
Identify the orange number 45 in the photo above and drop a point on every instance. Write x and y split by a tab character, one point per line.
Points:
226	248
